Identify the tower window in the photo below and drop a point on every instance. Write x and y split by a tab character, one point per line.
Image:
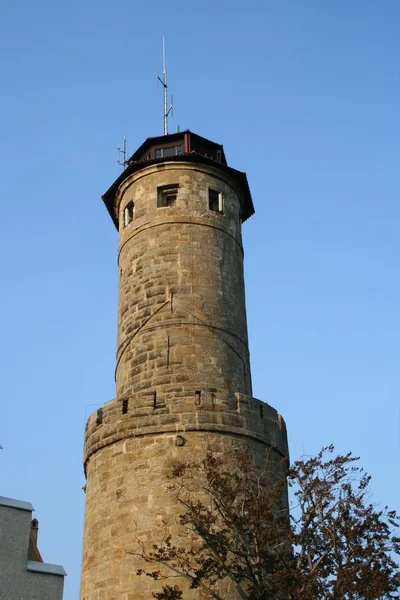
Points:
169	151
128	213
166	195
99	416
215	201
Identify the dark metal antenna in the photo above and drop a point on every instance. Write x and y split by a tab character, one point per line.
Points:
163	82
121	152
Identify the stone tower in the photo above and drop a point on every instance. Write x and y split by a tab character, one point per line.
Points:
182	368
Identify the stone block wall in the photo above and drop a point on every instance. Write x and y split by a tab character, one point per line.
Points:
182	370
182	318
129	458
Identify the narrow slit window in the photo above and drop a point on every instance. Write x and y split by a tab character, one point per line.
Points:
128	213
215	201
167	195
99	417
124	407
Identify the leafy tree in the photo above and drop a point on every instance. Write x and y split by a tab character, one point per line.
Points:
335	546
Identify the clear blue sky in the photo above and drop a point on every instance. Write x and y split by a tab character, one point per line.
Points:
305	97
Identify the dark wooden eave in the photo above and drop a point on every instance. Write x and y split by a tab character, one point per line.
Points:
188	139
135	164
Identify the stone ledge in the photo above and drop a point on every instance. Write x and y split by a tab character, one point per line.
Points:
247	417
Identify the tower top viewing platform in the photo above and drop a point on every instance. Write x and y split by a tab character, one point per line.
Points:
184	146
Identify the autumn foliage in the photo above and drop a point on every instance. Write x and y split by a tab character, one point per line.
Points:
335	545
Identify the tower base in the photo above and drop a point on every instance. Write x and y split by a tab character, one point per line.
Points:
131	447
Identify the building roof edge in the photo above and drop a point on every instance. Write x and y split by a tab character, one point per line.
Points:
42	567
13	503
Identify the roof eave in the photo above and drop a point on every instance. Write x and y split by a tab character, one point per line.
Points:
239	176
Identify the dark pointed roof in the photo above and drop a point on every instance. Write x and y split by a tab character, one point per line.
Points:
189	147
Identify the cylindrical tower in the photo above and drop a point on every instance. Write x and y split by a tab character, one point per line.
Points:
182	370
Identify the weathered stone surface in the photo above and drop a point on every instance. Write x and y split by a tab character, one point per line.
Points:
181	276
182	369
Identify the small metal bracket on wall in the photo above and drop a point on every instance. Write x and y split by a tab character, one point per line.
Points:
168	350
